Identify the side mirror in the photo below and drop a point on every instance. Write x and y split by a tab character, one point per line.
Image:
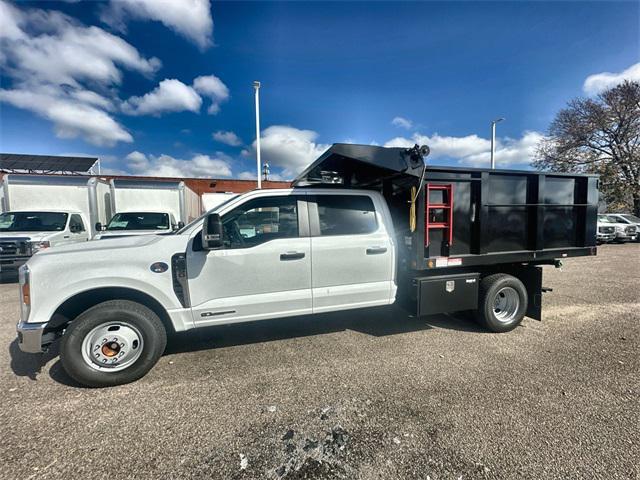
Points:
212	232
98	227
180	225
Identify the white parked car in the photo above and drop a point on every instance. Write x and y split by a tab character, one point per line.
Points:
624	232
627	218
24	233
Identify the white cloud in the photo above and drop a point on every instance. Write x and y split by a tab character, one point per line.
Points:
199	166
442	146
170	95
228	138
49	60
247	175
475	150
509	151
602	81
212	87
402	123
289	148
70	117
189	18
61	51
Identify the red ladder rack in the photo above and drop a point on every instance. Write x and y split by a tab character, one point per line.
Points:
447	206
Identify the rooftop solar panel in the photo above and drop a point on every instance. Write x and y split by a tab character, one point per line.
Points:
45	163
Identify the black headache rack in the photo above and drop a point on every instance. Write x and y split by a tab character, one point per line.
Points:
467	218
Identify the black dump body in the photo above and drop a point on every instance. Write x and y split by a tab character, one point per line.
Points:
468	217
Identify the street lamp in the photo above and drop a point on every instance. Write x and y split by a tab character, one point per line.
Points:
493	142
256	87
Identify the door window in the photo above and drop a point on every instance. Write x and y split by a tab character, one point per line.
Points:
75	224
260	220
346	214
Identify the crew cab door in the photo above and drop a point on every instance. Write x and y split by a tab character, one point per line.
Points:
352	254
264	268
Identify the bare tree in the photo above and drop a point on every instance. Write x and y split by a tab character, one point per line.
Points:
599	135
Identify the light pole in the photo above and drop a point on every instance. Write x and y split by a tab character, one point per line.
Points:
256	87
493	142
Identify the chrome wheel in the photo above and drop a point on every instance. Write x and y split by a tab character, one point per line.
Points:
506	304
112	346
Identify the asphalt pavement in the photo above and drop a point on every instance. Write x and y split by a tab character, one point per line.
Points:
372	394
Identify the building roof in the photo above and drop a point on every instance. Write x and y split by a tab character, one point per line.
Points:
17	162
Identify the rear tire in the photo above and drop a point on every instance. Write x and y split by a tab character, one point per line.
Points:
112	343
502	303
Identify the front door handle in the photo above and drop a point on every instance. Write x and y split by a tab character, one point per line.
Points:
291	256
66	236
376	250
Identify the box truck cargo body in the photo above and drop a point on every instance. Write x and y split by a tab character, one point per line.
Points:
142	207
42	211
212	200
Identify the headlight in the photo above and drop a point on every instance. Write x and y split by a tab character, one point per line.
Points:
24	275
37	246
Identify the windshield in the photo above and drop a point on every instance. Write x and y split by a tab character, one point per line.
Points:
139	221
607	219
631	218
214	209
32	221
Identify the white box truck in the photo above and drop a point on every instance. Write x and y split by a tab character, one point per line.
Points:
147	207
42	211
210	200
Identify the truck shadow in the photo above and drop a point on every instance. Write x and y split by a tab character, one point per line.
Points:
377	322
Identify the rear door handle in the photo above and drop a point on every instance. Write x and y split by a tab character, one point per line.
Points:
66	236
376	250
291	256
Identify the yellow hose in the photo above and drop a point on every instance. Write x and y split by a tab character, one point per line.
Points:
412	210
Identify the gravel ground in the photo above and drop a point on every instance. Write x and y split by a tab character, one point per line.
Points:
370	394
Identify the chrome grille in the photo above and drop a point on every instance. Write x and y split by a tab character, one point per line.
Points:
13	248
606	229
631	230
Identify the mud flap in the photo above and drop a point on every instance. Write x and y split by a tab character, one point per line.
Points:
532	278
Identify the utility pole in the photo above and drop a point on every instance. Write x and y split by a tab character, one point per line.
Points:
493	142
256	87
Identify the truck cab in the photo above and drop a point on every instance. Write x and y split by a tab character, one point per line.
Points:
24	233
138	223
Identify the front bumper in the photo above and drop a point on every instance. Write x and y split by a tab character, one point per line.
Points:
12	263
31	336
627	237
605	237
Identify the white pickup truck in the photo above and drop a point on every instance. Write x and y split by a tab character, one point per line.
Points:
275	253
24	233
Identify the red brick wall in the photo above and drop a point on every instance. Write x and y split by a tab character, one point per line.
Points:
202	185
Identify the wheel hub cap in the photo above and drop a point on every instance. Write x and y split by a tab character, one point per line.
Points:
506	304
112	346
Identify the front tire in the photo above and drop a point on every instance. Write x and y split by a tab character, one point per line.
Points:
112	343
503	302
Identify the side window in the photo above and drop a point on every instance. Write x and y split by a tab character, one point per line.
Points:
346	214
75	223
260	220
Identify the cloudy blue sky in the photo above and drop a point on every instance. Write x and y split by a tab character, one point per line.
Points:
165	88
